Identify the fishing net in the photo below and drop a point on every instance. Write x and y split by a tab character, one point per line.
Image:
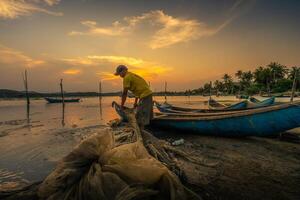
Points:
97	170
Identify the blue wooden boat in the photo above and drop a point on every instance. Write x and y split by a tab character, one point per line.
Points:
254	100
59	100
264	121
215	105
169	108
257	103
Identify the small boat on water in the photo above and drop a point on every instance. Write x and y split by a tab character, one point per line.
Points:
264	121
59	100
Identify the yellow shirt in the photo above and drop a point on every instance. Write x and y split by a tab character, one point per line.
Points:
137	85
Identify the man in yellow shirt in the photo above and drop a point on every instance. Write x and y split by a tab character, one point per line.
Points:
141	90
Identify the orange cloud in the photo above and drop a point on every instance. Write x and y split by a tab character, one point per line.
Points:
149	70
168	30
11	9
72	71
12	56
51	2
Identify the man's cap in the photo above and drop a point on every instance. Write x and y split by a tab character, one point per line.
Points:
119	69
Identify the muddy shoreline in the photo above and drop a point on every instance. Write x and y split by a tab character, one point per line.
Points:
248	168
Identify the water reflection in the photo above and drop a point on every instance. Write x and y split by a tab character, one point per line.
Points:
100	107
28	116
63	115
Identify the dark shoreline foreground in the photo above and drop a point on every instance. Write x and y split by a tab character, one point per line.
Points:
229	168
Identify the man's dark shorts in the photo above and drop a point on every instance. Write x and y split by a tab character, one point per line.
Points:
145	110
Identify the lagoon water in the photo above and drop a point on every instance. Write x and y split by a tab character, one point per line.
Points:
32	143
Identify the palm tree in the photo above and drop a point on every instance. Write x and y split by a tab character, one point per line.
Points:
227	82
278	71
291	75
263	76
246	79
218	86
239	74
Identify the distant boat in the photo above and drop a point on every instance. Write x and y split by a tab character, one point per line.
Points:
59	100
265	121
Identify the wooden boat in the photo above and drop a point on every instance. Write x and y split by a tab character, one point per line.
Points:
174	112
215	105
257	103
59	100
264	121
169	108
251	104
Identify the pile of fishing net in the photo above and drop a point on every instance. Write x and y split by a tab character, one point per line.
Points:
113	165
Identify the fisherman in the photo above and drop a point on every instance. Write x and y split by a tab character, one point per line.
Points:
141	90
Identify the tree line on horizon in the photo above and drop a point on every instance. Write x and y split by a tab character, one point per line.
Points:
272	78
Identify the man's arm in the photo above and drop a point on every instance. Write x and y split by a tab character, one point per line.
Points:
124	97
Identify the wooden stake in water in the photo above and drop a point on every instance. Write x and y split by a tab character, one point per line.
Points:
165	91
294	84
100	98
210	88
62	91
25	81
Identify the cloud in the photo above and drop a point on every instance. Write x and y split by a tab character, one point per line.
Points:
149	70
51	2
12	56
72	71
114	30
11	9
167	30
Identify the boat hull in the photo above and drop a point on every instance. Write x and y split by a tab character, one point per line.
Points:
268	122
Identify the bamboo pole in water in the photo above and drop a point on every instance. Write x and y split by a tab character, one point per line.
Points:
294	85
166	91
210	87
62	91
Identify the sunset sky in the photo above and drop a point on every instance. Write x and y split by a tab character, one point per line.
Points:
183	42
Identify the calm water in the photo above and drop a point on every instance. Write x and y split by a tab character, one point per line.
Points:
32	143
